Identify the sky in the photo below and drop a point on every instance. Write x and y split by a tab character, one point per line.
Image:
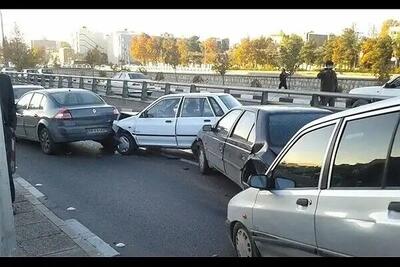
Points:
234	24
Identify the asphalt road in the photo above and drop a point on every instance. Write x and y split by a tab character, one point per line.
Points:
153	202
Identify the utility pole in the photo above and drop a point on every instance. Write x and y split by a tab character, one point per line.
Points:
2	30
8	243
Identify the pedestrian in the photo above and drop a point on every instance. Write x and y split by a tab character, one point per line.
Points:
8	110
329	83
282	79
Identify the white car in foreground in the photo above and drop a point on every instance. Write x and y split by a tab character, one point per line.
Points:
172	121
390	88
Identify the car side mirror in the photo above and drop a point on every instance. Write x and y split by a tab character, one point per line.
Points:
207	128
261	181
256	147
144	114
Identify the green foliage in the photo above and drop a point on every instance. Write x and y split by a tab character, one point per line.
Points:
255	83
142	70
290	49
309	53
197	79
221	65
159	76
382	58
96	57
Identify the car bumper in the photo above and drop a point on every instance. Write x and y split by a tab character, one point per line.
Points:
80	133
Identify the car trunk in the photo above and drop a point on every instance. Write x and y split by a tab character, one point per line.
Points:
92	115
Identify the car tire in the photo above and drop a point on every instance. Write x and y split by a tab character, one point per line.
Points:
360	102
126	144
243	243
203	162
109	144
46	141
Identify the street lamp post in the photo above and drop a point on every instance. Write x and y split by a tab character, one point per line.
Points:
2	29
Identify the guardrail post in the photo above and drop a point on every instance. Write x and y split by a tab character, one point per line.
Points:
314	101
264	98
167	89
144	91
108	87
94	85
125	89
227	91
69	82
60	81
42	81
193	88
81	83
28	78
51	81
35	80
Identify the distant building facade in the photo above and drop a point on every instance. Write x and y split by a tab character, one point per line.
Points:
85	40
319	39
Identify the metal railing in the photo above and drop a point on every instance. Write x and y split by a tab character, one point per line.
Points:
145	90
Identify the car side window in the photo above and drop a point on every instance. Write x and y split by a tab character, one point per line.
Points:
301	166
362	151
226	123
166	108
35	102
252	136
244	126
43	102
216	107
196	107
393	171
24	101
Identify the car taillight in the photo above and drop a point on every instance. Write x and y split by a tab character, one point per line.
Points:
63	114
115	111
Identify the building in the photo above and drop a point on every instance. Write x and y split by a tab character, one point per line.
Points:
121	41
319	39
65	56
277	38
223	44
46	44
85	40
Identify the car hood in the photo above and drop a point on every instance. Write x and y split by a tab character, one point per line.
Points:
365	90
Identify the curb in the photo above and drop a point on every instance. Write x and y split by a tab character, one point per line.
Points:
93	245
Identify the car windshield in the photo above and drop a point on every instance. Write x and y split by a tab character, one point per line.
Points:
229	101
283	126
72	98
47	72
136	76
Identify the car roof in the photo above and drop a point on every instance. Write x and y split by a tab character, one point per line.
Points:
284	109
56	90
28	86
194	94
391	102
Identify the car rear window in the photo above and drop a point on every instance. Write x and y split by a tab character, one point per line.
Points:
137	76
229	101
283	126
77	98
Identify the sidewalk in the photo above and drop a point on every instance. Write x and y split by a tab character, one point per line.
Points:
39	232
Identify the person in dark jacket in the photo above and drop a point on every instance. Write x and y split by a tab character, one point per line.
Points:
8	110
282	79
329	83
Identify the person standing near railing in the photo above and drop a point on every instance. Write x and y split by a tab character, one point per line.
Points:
282	79
329	83
8	109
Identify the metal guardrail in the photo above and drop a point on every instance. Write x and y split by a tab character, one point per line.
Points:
152	90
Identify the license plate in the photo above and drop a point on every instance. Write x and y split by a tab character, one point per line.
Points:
97	131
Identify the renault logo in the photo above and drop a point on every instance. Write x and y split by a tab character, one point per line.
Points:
94	111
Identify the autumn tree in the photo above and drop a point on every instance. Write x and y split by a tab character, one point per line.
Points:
210	50
396	48
195	52
241	54
386	26
309	53
263	51
171	55
349	47
221	65
140	49
368	46
290	49
183	49
381	66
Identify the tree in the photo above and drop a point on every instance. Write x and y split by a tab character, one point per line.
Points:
171	55
210	50
140	49
40	56
183	49
350	47
96	57
396	48
290	49
221	65
382	58
263	51
386	26
194	46
368	46
309	53
17	52
241	54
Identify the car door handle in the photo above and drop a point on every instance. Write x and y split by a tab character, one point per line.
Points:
303	202
394	206
207	120
168	121
35	115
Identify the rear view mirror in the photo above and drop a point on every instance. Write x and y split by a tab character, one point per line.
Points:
260	181
144	114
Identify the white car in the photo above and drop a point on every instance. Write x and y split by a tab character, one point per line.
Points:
172	121
390	88
134	84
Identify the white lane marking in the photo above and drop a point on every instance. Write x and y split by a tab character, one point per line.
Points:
120	245
71	208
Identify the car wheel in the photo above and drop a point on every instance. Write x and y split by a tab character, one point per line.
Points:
46	142
126	144
203	163
360	102
243	243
